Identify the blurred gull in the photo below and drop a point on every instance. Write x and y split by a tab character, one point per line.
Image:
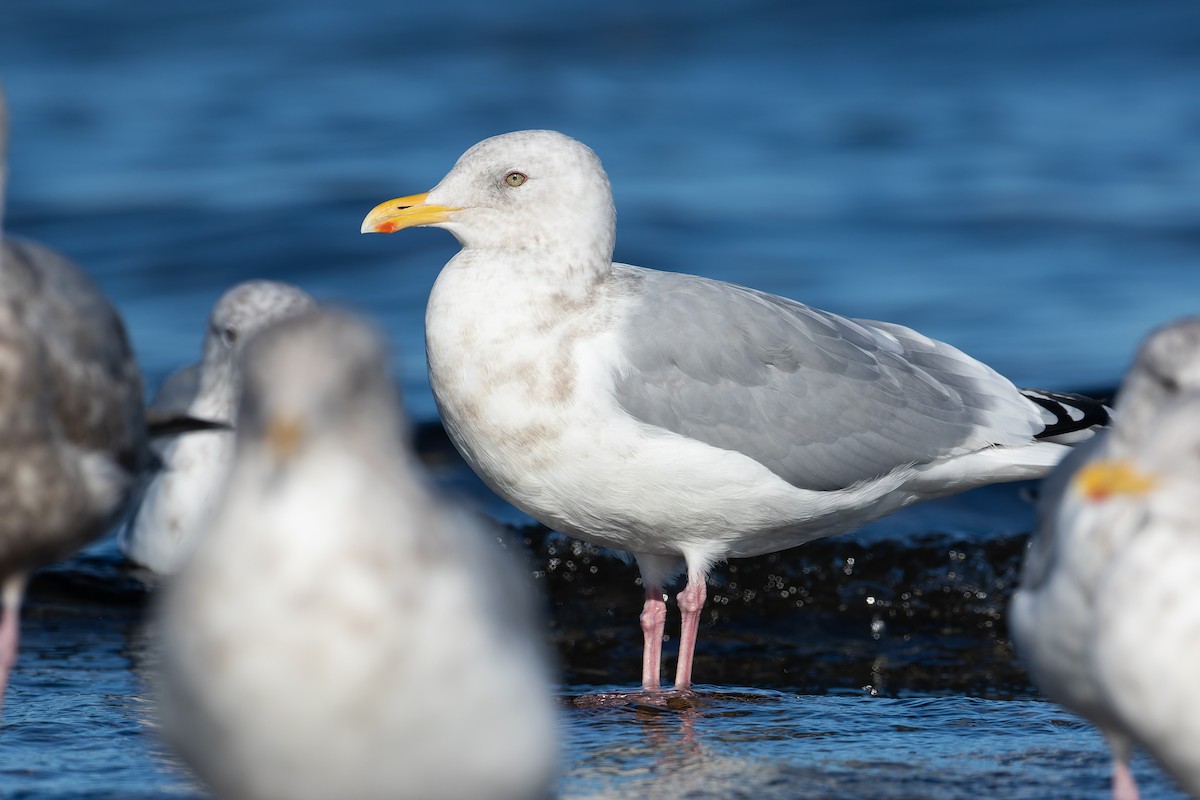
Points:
194	466
339	632
1053	615
72	433
683	419
1147	650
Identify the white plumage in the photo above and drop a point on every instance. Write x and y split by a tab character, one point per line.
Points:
1054	616
1147	650
194	466
339	631
683	419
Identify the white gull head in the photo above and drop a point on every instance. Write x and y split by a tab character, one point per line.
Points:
522	191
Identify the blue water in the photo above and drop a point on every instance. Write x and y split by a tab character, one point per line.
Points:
1017	178
763	745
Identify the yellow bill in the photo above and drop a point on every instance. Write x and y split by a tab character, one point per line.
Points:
1103	479
283	435
405	212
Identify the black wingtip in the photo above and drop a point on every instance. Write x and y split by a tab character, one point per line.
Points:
1068	414
174	423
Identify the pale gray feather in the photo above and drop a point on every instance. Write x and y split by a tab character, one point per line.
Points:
93	377
821	400
178	390
71	426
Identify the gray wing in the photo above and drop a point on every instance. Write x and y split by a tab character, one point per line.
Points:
177	391
821	400
67	377
90	373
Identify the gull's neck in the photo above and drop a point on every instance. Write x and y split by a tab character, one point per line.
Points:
216	398
1140	400
556	275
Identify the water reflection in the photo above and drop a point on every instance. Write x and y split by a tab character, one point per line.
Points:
767	745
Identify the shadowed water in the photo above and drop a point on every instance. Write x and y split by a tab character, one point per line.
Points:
1018	179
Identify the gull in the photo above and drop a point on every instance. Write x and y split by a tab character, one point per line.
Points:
72	430
163	530
682	419
1053	615
1147	650
338	630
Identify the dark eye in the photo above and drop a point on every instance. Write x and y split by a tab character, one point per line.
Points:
229	336
1167	382
515	178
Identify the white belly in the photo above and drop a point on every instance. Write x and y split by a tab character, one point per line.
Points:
539	423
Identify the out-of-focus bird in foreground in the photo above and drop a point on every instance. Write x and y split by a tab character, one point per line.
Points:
338	630
1082	531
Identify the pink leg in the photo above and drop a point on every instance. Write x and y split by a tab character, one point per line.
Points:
691	603
10	628
653	619
1123	785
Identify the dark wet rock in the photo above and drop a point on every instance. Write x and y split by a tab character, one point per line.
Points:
835	614
901	609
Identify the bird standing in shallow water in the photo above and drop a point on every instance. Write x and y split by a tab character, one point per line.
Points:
1087	513
340	631
72	432
162	531
683	419
1147	648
